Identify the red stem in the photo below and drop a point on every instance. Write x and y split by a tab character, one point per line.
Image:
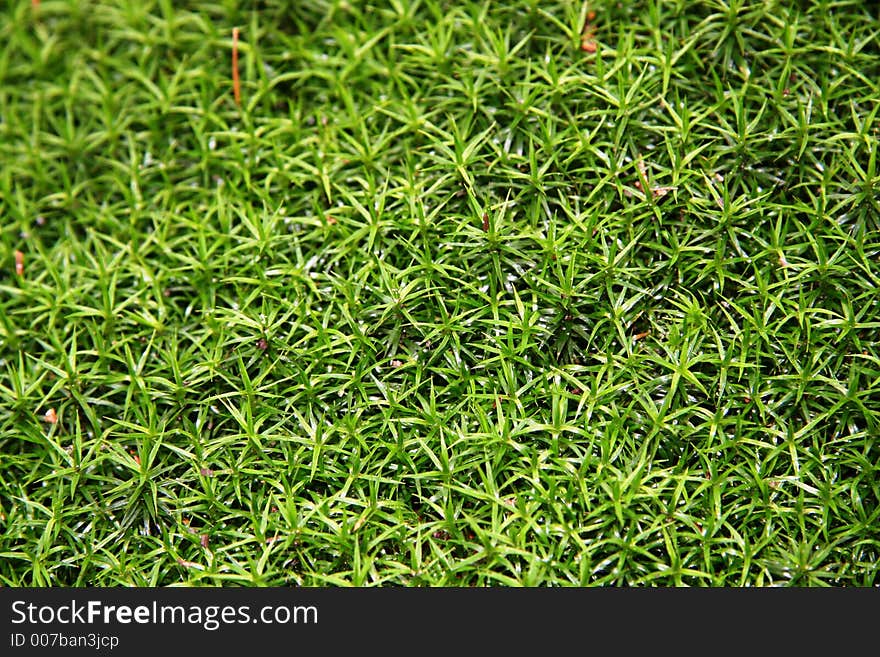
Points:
236	84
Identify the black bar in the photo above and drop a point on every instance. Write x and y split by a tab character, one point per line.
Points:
126	621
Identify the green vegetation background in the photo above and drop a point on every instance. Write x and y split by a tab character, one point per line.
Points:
448	300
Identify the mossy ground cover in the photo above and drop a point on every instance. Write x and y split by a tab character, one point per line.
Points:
461	293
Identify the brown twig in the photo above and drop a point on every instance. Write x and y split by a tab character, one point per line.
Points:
656	191
588	34
19	263
236	83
